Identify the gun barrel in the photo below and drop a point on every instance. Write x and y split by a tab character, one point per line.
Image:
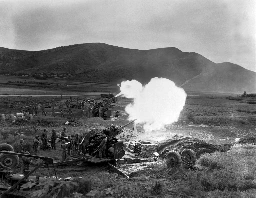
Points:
46	159
128	123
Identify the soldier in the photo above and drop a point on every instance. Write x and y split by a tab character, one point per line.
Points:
67	103
72	144
70	113
36	144
82	146
100	111
43	110
61	113
101	150
83	103
25	163
44	139
90	110
21	145
76	142
64	151
63	133
53	139
69	147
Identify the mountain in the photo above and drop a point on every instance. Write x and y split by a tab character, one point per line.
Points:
105	63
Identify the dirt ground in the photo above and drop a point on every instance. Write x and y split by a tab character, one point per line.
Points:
214	118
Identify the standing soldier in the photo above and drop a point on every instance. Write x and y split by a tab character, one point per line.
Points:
43	110
53	139
36	144
100	111
70	112
67	103
90	108
44	139
69	147
63	133
76	142
72	144
64	151
85	107
21	145
61	113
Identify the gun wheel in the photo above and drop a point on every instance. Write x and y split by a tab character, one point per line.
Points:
9	161
188	157
173	160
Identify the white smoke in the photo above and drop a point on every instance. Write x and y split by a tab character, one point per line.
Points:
156	104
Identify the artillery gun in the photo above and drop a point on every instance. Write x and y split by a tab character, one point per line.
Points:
104	144
184	151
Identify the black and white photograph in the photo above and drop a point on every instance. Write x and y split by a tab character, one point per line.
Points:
127	98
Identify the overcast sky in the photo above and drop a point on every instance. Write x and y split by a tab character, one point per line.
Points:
220	30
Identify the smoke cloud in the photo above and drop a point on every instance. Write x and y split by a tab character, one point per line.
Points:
156	104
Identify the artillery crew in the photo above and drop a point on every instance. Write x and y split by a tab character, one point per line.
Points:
53	139
36	143
44	139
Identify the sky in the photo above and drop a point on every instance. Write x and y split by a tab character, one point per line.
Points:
220	30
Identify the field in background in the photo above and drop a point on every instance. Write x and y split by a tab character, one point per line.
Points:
30	85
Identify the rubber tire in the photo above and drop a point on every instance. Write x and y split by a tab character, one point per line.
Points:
173	160
9	161
188	157
4	157
6	147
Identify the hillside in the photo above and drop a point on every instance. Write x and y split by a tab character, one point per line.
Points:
106	63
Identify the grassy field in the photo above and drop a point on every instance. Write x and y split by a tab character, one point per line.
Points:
213	118
30	85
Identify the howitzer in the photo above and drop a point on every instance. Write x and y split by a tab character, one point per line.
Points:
105	144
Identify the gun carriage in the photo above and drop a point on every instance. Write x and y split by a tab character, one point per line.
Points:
184	151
